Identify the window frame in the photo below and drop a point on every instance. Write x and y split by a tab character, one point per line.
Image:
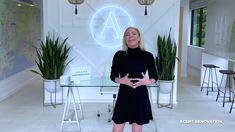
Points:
200	27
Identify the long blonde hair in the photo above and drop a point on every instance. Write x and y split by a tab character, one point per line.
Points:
124	45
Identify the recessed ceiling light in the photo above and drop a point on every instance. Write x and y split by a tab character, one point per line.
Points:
27	2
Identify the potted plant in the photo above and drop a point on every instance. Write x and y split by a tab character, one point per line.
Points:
51	61
165	62
166	57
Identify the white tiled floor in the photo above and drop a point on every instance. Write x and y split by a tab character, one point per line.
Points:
23	112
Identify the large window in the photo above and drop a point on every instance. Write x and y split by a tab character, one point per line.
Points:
198	27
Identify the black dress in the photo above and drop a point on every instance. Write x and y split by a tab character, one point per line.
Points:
133	105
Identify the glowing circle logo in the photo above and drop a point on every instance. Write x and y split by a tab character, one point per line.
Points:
108	24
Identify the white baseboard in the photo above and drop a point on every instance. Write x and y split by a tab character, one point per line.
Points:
13	84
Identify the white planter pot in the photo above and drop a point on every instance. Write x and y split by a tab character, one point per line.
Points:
52	86
165	86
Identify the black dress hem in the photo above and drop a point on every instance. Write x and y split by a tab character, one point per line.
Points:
132	122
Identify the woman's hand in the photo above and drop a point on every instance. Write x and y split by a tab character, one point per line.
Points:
135	82
124	80
142	81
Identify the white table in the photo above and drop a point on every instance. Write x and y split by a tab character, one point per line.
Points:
93	82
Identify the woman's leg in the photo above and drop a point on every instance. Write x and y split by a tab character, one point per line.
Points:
118	127
136	127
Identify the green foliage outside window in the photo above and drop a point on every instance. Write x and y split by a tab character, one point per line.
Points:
198	28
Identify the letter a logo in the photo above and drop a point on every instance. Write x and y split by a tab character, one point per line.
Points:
111	26
108	24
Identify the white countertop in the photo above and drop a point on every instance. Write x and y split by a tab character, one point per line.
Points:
226	55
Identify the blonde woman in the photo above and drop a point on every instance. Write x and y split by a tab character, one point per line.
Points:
128	69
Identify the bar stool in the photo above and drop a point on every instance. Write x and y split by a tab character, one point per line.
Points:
210	78
230	74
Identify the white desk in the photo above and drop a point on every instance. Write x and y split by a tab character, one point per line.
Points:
93	82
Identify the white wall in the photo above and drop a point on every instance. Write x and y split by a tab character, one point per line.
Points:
194	62
219	25
60	18
15	82
185	37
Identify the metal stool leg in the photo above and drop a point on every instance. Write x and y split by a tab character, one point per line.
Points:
216	79
225	89
218	94
208	82
230	87
203	79
212	81
232	104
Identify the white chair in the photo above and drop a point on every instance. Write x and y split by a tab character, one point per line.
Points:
108	87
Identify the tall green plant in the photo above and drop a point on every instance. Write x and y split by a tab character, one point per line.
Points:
51	58
166	57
